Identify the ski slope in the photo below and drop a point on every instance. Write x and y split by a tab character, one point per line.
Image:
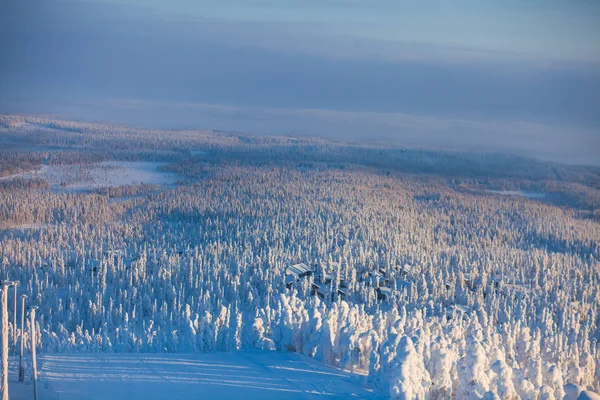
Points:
241	375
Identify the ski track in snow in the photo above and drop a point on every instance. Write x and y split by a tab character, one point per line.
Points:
240	375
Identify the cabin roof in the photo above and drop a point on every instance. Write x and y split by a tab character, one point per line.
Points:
297	269
385	290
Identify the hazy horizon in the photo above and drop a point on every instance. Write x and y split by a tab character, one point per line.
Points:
509	77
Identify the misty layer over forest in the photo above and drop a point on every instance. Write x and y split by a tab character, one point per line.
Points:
440	275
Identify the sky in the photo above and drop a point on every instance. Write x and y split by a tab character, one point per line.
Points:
487	75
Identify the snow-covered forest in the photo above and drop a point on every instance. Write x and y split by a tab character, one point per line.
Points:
436	275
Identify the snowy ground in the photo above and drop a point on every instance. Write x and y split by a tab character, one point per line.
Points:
105	174
241	375
519	193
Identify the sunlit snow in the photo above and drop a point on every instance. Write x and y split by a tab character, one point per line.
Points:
248	375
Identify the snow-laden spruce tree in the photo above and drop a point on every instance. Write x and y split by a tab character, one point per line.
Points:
472	369
256	338
502	382
325	350
554	380
312	330
442	368
374	361
409	379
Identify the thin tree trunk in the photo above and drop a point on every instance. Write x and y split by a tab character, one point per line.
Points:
33	360
21	366
5	342
14	342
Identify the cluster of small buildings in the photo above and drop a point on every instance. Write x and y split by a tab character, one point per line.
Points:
497	283
392	285
321	281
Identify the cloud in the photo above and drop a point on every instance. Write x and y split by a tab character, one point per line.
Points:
95	56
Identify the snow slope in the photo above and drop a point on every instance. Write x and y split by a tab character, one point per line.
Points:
240	375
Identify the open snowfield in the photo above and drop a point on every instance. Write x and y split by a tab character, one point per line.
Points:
241	375
519	193
105	174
